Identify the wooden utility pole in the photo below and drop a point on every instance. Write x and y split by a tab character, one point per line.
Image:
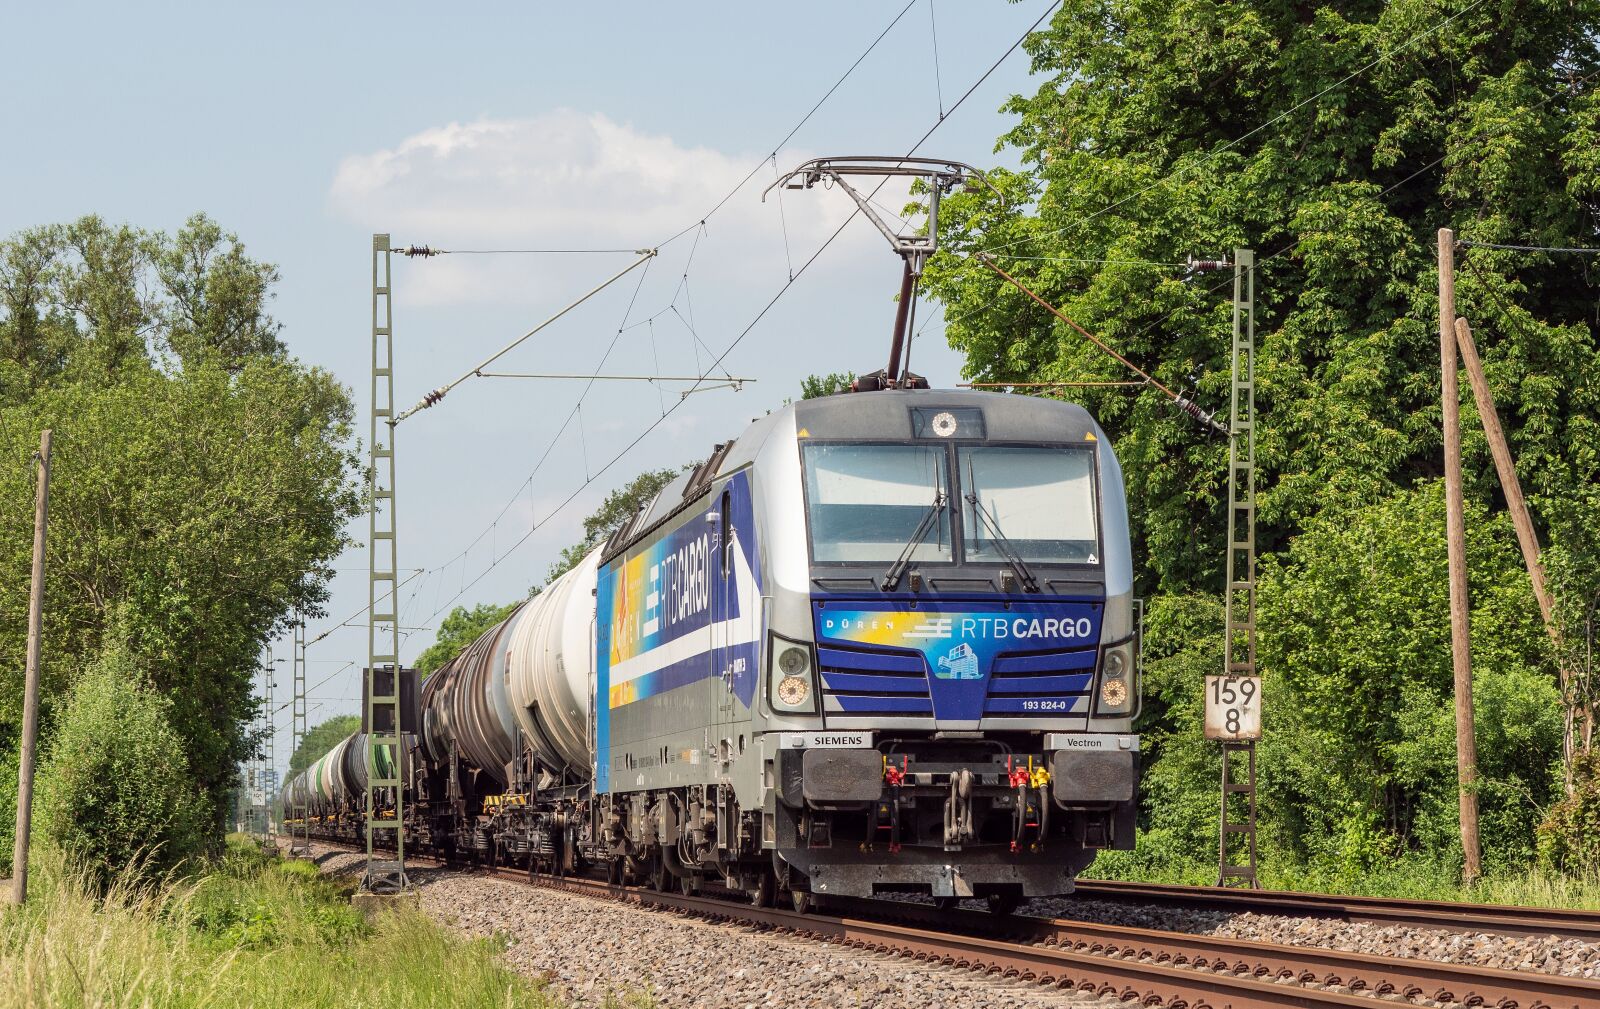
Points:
1521	519
30	702
1503	463
1456	535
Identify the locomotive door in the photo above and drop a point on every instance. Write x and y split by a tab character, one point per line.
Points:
722	606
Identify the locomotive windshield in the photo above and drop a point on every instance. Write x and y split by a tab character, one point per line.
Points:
866	503
1038	501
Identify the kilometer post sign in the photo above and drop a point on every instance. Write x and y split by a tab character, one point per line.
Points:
1233	708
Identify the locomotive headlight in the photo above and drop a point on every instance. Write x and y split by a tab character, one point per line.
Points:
1113	694
1116	664
793	691
792	661
791	678
1116	693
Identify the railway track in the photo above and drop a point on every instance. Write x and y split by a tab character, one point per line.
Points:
1495	918
1146	966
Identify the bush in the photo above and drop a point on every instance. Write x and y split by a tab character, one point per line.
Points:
1569	837
8	808
116	794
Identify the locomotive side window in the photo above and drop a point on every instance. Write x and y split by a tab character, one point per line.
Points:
865	502
1041	500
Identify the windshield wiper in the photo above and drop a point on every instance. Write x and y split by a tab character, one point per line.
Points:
1003	544
930	518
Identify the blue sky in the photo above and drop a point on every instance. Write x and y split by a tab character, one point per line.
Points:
305	128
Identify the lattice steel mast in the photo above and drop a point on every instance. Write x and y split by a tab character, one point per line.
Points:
382	708
299	829
1239	600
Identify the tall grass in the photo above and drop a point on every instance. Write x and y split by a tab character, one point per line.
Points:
1414	877
252	931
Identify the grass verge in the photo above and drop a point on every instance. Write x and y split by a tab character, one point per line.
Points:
251	931
1410	878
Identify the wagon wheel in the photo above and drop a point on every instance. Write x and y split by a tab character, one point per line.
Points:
803	901
761	894
1004	903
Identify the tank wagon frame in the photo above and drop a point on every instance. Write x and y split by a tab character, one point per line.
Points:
880	642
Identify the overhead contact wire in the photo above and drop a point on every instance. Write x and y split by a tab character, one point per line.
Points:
717	362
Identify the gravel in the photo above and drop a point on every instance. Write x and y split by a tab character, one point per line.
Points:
1549	954
595	953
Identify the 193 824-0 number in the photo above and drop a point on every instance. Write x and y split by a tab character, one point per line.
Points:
1233	707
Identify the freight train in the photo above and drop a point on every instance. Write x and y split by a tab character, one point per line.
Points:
880	642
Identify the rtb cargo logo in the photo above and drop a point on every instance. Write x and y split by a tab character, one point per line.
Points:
960	664
965	626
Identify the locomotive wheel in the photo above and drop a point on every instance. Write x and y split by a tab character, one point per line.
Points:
659	876
761	893
689	885
1004	903
614	872
803	901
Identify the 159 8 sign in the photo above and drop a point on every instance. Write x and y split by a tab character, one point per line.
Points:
1233	707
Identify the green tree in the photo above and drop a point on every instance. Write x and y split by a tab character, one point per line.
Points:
118	791
321	738
201	479
1356	641
619	506
1335	139
817	386
217	296
458	630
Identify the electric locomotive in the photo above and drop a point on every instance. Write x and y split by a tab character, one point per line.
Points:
883	641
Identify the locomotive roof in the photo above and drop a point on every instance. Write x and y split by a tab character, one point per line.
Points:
888	414
874	416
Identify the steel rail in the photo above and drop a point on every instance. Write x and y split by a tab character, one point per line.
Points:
1409	977
1144	965
1503	919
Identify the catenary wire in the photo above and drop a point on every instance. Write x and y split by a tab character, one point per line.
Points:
1529	248
793	130
1570	88
706	372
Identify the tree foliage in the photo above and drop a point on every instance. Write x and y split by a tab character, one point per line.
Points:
118	792
1356	641
1166	129
201	479
619	506
1569	837
1334	140
817	386
318	740
458	630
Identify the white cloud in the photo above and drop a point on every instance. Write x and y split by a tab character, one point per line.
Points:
581	180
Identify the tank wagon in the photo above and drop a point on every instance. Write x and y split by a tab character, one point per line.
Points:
880	642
